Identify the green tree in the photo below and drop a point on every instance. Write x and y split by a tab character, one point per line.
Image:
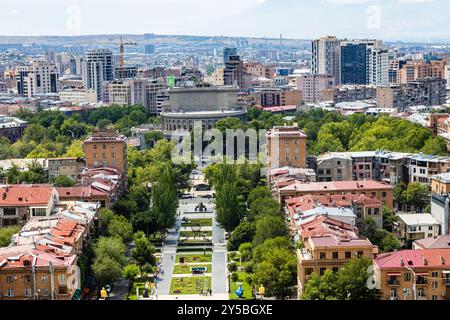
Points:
106	270
269	227
388	242
244	232
435	146
263	207
246	251
120	227
131	271
145	221
6	234
63	181
165	200
416	195
351	281
321	287
258	193
75	150
275	267
143	252
111	247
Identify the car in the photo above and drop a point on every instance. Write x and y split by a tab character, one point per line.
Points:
187	196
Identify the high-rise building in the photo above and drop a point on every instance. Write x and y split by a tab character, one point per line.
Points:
97	67
326	57
227	53
233	73
149	49
353	62
39	78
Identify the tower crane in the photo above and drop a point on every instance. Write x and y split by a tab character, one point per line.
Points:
122	55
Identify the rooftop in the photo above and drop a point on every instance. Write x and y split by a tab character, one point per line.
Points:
337	186
439	242
421	219
426	258
25	195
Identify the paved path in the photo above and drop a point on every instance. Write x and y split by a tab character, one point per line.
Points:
219	270
168	259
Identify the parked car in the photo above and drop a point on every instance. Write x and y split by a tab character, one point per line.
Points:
187	196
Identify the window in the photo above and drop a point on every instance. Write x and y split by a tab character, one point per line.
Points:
434	285
393	293
44	292
39	212
10	279
322	271
348	255
10	293
430	228
308	271
44	278
335	269
61	278
9	211
27	292
335	255
95	147
104	146
27	279
383	194
360	254
434	297
323	255
407	276
435	274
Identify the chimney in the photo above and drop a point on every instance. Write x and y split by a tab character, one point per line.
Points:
402	263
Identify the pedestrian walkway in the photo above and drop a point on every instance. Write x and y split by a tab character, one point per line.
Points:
169	251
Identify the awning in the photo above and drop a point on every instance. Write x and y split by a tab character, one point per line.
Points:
422	274
446	271
394	274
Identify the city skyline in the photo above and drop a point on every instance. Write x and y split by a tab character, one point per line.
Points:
391	20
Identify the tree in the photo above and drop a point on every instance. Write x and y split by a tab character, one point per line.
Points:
275	266
106	270
351	280
126	207
111	247
269	227
263	207
165	200
34	132
246	251
131	271
384	239
228	206
388	242
120	227
416	194
398	194
6	234
258	193
146	221
435	146
75	150
244	232
321	287
143	252
388	219
63	181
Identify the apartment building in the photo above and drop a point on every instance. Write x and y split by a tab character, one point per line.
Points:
286	147
12	128
328	253
39	78
412	227
334	167
413	274
423	167
106	149
326	57
70	167
78	96
381	191
440	200
348	93
311	85
30	273
20	203
272	96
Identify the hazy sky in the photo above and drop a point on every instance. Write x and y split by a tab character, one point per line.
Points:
423	20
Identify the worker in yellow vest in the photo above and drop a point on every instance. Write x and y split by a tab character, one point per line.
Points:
103	294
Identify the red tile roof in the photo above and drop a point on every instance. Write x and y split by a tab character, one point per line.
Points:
332	241
434	258
337	186
25	195
18	256
322	226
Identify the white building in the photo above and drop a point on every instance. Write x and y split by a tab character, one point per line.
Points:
78	96
39	78
326	57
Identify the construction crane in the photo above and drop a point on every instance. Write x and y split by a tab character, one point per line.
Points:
122	55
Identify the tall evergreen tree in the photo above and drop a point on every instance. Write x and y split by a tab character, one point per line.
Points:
165	200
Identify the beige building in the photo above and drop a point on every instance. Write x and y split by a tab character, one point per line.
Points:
328	253
310	85
412	227
106	149
78	96
287	147
334	167
70	167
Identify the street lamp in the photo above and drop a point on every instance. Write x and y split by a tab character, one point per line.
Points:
414	283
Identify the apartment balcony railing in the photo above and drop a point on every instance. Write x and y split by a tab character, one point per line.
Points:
393	282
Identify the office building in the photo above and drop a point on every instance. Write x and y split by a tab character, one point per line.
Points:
311	85
38	79
326	57
227	53
97	67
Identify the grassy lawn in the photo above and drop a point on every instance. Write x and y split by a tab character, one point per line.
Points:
200	234
233	257
186	269
204	222
235	285
192	258
191	285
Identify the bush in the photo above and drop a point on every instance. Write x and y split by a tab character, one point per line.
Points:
234	277
249	268
232	267
249	280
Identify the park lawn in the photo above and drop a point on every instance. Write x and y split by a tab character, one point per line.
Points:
132	293
190	285
186	268
204	222
192	258
200	234
235	285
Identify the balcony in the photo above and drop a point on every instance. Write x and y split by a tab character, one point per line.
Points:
393	282
447	281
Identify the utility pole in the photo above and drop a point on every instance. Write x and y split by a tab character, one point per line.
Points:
414	283
52	280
